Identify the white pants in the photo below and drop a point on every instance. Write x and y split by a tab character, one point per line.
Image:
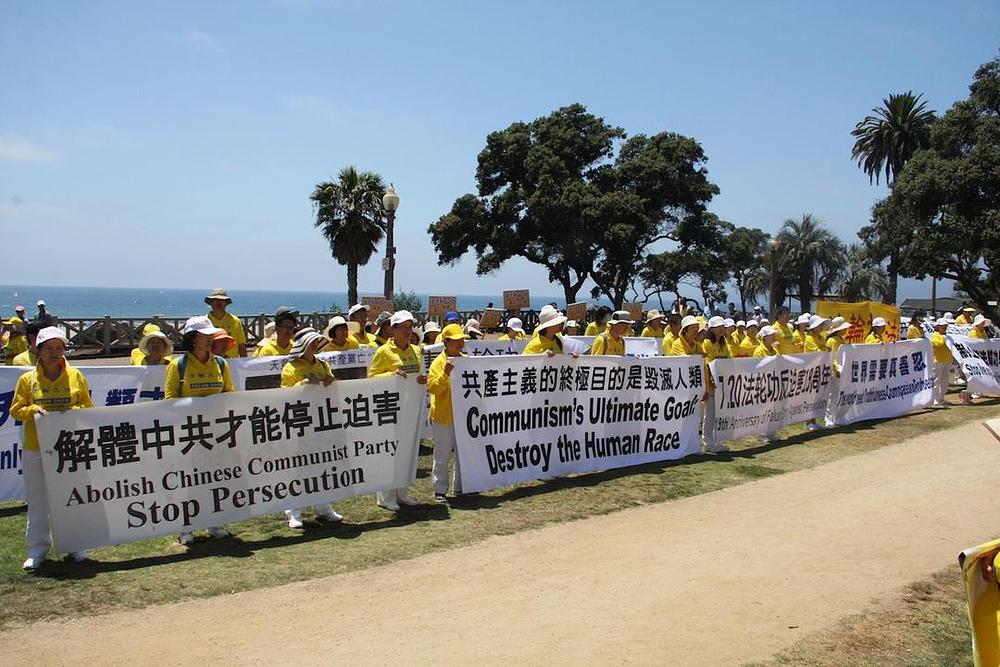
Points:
941	382
392	496
708	424
37	535
831	402
444	445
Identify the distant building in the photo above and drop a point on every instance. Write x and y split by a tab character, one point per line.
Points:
947	304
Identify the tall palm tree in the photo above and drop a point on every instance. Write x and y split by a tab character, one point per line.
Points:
350	215
808	255
884	143
863	277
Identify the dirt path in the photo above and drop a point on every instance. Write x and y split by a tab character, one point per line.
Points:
716	579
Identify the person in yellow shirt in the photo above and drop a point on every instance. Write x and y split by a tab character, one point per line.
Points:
441	415
835	338
218	300
786	332
546	337
877	334
670	334
965	317
715	346
813	340
29	357
196	372
359	313
286	323
741	332
514	330
339	338
53	385
398	356
572	328
654	325
600	321
154	349
799	334
451	317
730	333
942	361
17	341
980	328
472	330
770	345
304	369
686	342
914	330
431	331
750	340
135	356
383	328
611	341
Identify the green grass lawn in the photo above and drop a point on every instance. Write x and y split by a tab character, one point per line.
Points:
265	552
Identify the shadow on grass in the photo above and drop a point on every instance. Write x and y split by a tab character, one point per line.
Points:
13	510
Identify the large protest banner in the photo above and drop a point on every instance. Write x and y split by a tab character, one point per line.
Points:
860	314
759	396
980	362
878	381
634	345
109	386
528	417
120	474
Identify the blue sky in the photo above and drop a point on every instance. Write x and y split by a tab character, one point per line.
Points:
175	144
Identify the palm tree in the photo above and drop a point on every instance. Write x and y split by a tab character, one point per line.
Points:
349	213
807	254
863	278
884	143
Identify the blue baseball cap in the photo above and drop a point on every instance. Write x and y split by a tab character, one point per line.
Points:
452	316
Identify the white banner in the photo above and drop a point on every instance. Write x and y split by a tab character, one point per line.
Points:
879	381
528	417
635	346
120	474
980	361
265	372
759	396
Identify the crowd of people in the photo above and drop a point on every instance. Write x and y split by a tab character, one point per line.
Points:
200	368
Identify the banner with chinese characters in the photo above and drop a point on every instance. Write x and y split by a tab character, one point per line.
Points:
265	372
120	474
879	381
109	386
759	396
531	417
980	361
860	315
634	345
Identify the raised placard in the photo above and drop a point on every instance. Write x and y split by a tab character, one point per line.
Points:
437	306
634	310
516	299
490	318
577	311
376	305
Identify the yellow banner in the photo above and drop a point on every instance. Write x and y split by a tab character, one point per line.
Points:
860	315
982	593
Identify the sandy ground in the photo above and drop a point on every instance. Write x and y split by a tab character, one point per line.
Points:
716	579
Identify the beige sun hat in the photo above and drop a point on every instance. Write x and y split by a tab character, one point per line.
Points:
144	343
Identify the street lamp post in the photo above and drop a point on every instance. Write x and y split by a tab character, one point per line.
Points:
390	202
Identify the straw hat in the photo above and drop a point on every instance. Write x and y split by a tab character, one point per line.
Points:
838	324
549	317
144	343
654	315
334	322
303	338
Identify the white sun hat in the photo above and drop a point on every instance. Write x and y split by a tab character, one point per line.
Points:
200	324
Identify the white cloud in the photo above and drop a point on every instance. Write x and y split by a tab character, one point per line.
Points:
319	107
201	40
16	149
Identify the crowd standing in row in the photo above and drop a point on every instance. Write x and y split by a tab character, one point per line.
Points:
200	369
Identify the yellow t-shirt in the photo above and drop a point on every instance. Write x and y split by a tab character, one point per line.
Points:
539	345
595	328
681	348
976	332
26	358
69	391
786	338
136	357
963	319
606	344
233	327
16	344
833	344
748	345
650	332
299	369
363	338
668	342
714	351
200	379
942	355
271	348
813	342
389	358
765	351
872	337
914	332
349	344
505	337
439	388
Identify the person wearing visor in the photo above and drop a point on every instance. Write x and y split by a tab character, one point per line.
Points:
304	369
154	349
546	337
53	385
286	322
338	336
441	416
877	334
197	372
965	317
219	300
654	325
611	341
359	313
514	330
397	356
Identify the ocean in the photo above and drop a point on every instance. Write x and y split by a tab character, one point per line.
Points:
74	302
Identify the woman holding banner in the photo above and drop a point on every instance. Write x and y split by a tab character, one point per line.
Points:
397	356
513	331
211	371
979	328
877	334
441	416
715	346
612	340
304	369
338	336
286	321
546	338
812	340
785	331
686	342
654	325
155	349
750	341
834	339
769	344
52	385
942	360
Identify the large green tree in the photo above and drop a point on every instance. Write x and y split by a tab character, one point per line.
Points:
884	143
949	196
350	215
743	252
863	277
809	256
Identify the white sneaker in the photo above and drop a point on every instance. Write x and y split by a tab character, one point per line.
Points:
33	562
186	538
80	556
294	519
330	515
404	498
812	426
391	506
716	447
218	532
